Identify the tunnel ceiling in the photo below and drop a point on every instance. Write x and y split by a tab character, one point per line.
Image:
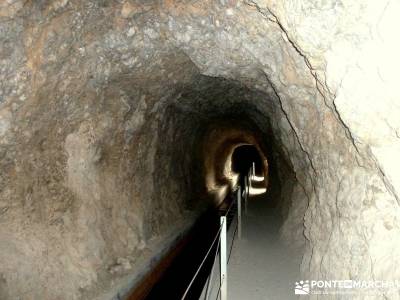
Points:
207	120
110	111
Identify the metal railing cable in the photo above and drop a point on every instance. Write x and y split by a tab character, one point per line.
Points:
217	252
224	224
208	252
229	208
212	269
229	257
234	234
202	263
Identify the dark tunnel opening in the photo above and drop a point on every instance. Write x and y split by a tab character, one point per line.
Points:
243	158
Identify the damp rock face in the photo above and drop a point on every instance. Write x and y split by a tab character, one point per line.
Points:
105	110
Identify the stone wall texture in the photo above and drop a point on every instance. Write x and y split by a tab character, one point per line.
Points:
105	109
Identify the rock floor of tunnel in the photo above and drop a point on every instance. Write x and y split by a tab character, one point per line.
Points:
261	267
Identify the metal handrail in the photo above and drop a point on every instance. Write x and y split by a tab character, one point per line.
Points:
246	192
202	263
208	252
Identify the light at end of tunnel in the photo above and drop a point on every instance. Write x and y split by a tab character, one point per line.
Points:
257	178
257	191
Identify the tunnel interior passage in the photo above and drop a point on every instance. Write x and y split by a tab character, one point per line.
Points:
119	119
174	159
243	158
219	128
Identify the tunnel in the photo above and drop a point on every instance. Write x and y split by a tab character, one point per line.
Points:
127	126
243	159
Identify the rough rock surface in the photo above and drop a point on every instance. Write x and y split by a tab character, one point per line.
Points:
104	106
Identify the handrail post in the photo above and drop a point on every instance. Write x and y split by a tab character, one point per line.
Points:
254	169
223	260
246	195
250	178
245	203
239	211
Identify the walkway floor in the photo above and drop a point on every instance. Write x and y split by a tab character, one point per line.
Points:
261	267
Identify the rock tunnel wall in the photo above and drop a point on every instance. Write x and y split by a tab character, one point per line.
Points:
103	107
